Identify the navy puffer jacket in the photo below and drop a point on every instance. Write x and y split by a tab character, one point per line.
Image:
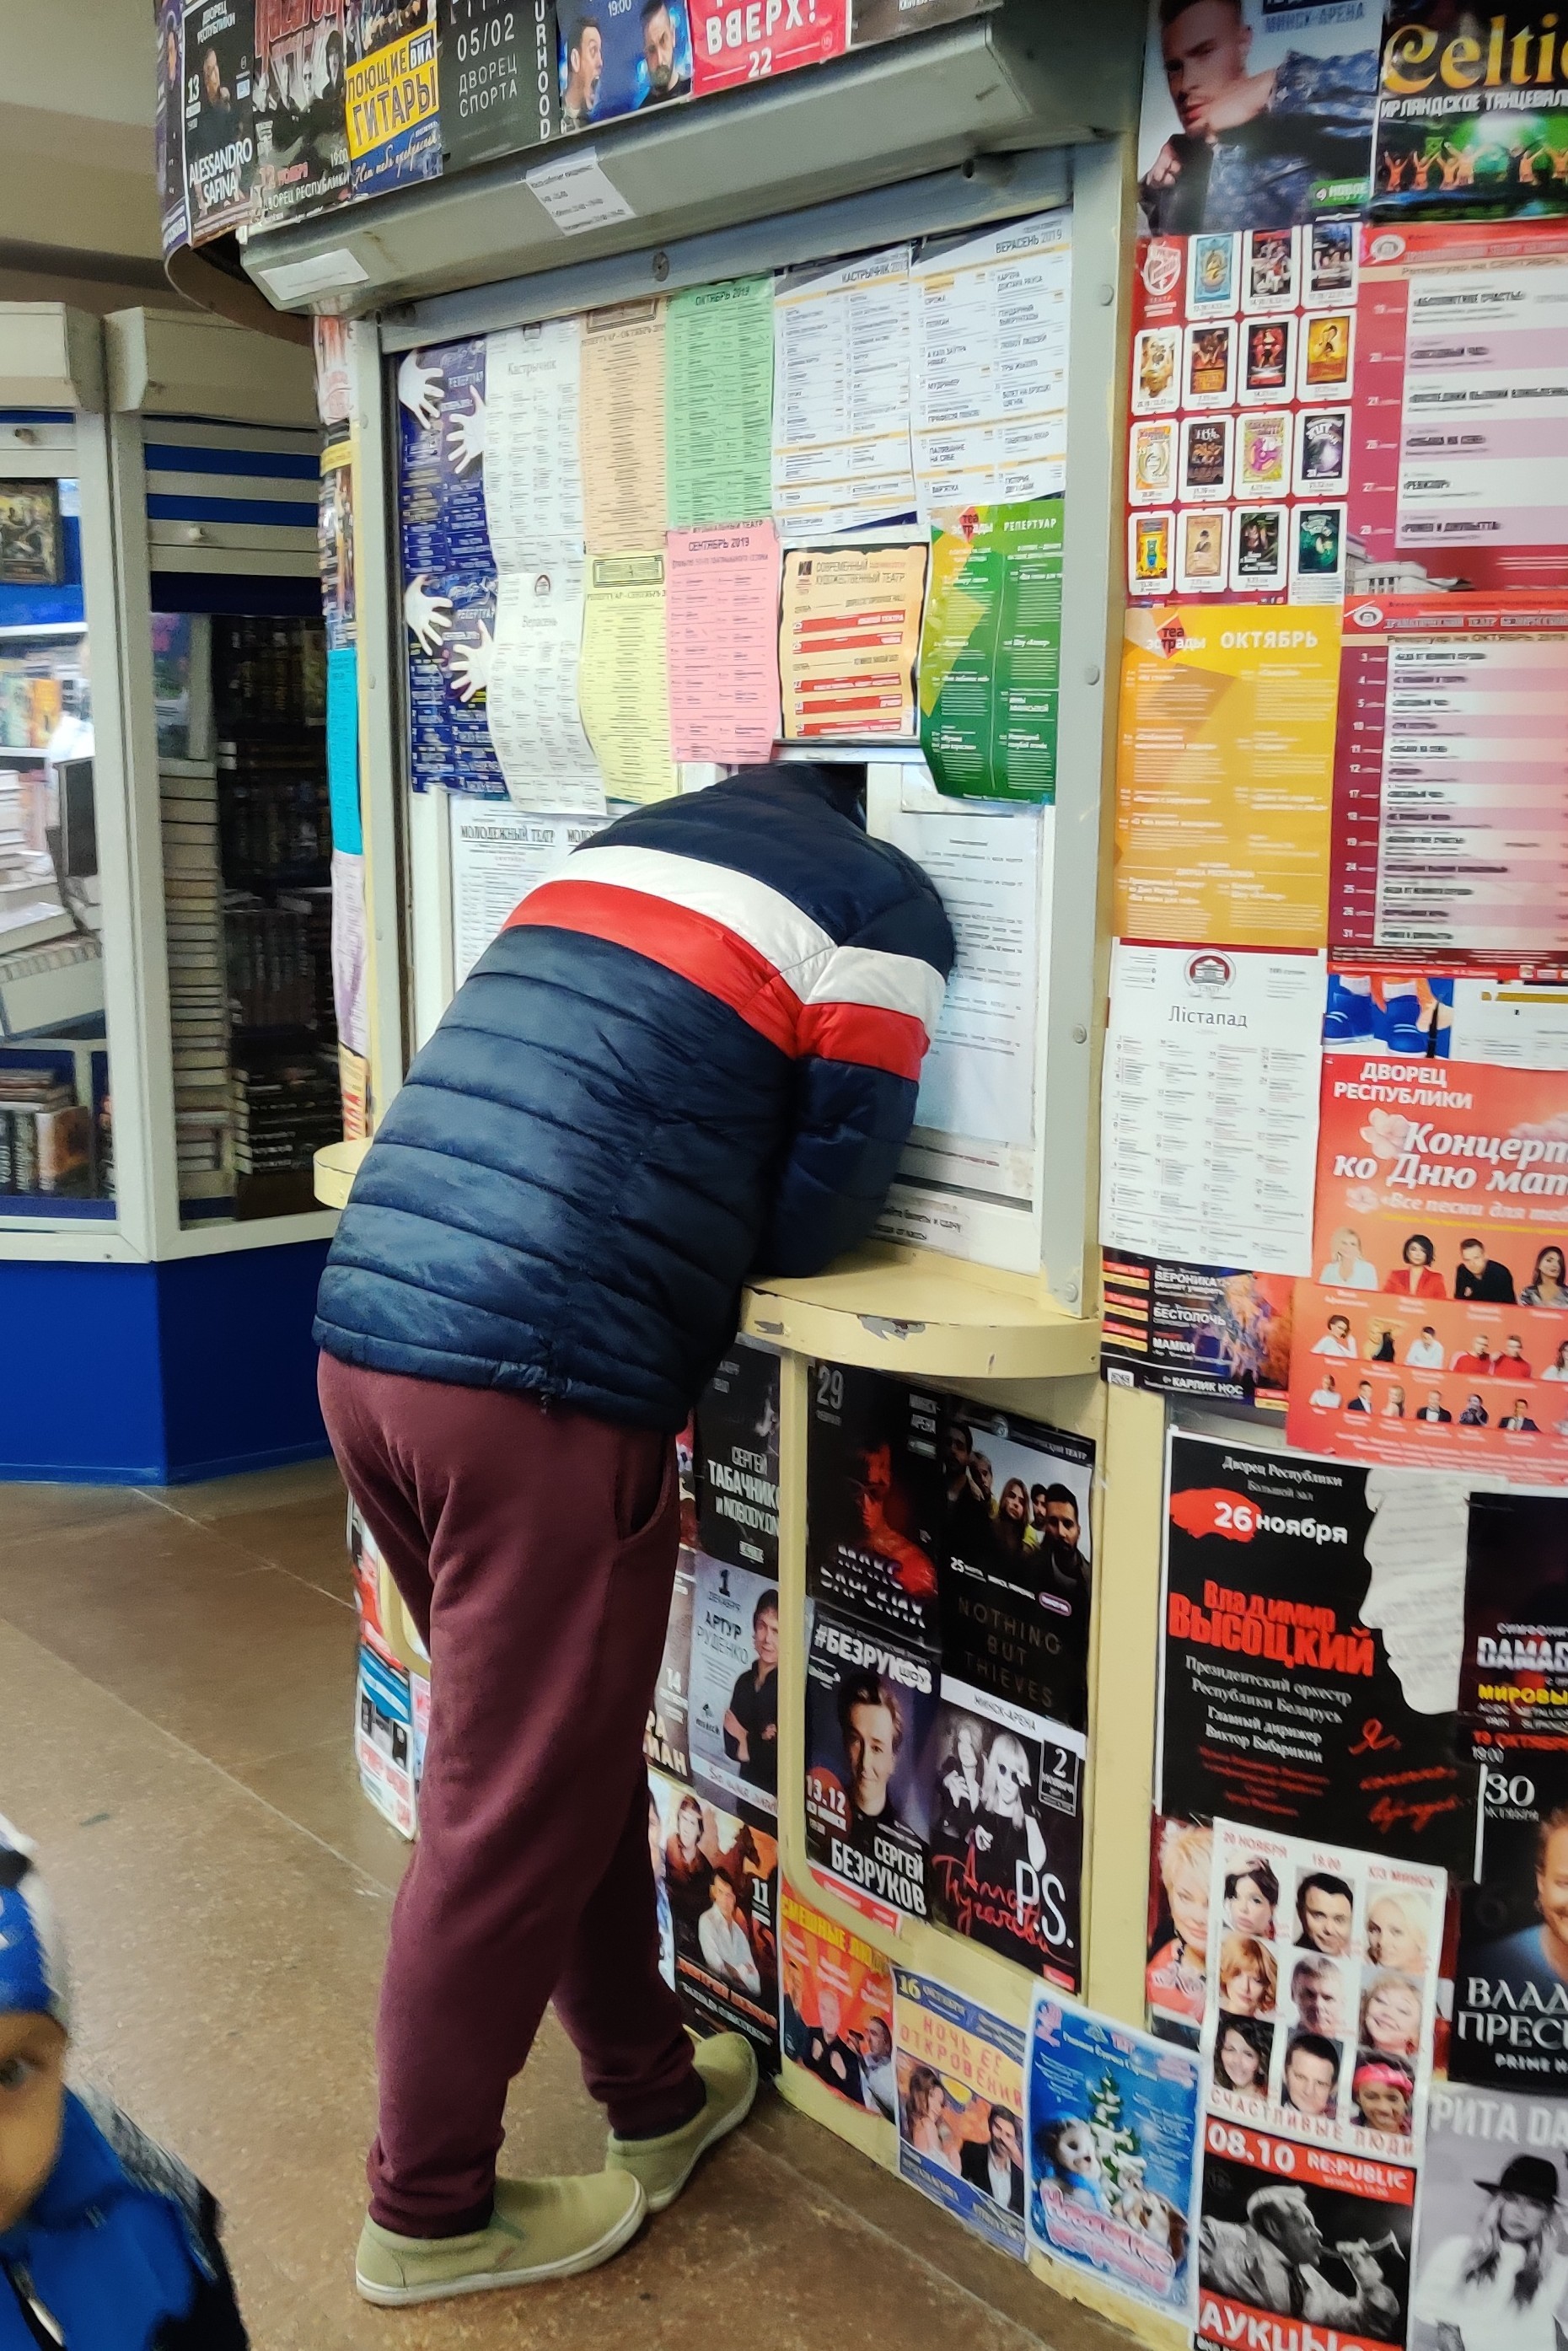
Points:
691	1058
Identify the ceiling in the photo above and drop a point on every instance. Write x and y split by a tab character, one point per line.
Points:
78	210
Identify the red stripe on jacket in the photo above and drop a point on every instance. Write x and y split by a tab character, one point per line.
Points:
727	966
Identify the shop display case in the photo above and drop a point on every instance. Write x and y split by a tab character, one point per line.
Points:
164	908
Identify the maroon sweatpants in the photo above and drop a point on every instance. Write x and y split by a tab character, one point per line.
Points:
535	1549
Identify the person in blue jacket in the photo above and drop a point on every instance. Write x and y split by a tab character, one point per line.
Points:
690	1060
107	2242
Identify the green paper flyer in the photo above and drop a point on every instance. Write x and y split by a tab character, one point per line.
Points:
990	653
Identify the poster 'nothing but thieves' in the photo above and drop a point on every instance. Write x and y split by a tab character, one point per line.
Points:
1472	112
498	78
1004	1774
301	132
220	129
1313	1618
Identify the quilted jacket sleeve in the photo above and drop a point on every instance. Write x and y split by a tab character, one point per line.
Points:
866	1023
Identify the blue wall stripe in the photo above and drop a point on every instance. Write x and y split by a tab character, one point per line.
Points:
180	457
263	511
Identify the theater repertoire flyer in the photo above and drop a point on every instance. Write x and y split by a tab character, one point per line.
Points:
948	1567
717	1883
836	2011
1243	375
1112	2134
960	2107
1313	1621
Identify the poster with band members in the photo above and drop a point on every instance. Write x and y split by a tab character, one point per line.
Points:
1482	2283
733	1720
1323	1990
392	98
667	1740
1313	1613
498	78
960	2107
1243	372
1301	2245
1112	2126
1513	1681
1016	1577
736	1461
836	2008
875	1509
871	1704
1179	1329
169	126
1510	1981
1472	114
220	129
1005	1774
716	1884
301	124
1256	117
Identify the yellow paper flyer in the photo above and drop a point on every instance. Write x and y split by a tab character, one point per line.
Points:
623	692
1225	774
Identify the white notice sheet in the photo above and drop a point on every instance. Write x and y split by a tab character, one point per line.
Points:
841	395
973	1121
533	482
535	727
1209	1117
989	365
498	854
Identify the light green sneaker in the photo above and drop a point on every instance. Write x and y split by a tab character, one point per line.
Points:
728	2065
539	2229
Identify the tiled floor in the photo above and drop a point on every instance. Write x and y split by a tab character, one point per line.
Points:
176	1669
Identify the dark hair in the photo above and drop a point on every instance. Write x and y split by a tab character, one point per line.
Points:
964	1429
1320	1882
866	1687
1555	1820
1248	2028
651	8
768	1600
1262	1877
1062	1494
1420	1241
1171	9
1043	1493
581	24
1552	1248
1312	2044
1472	1243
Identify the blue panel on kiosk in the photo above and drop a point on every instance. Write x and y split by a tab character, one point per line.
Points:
238	1362
80	1396
143	1375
